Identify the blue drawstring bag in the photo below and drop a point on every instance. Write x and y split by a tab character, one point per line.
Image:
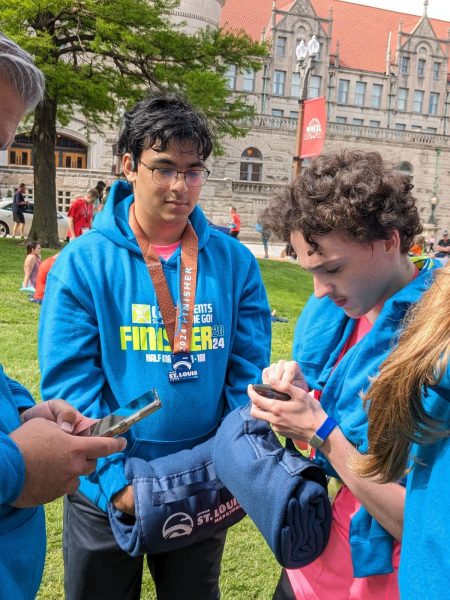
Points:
178	501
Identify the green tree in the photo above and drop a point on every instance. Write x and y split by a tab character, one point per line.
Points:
101	56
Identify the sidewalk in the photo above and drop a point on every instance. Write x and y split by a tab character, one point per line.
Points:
274	249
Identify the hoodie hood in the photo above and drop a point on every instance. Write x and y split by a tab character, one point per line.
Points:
112	222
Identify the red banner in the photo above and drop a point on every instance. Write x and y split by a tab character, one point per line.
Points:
314	127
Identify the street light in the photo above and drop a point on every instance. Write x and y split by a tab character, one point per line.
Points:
433	202
306	55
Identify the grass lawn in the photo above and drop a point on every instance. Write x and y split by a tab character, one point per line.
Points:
249	571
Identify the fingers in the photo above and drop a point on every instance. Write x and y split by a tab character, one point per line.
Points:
59	411
260	402
284	371
66	416
97	447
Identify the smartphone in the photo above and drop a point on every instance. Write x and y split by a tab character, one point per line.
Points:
112	425
268	392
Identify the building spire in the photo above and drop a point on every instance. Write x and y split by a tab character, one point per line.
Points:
425	8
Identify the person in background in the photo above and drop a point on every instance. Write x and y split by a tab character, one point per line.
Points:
442	250
40	459
101	205
19	204
159	299
351	220
235	223
41	280
409	433
98	204
80	215
31	265
418	248
265	236
100	187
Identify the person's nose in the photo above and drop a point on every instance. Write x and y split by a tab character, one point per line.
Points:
179	183
321	288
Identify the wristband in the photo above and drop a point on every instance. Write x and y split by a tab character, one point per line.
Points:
322	433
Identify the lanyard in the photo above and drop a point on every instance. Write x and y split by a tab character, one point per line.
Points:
178	323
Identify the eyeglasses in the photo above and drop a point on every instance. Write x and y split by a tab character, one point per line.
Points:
193	178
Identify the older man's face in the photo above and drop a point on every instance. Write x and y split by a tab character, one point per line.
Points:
12	109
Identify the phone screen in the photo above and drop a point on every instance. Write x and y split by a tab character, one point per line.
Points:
121	420
268	392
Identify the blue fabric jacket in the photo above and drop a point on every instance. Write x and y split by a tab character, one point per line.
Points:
22	530
102	342
424	562
282	492
321	333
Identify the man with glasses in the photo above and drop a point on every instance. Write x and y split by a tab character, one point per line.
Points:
151	297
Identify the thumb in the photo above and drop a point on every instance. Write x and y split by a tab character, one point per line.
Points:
98	447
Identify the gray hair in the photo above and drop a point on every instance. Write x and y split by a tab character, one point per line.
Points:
18	69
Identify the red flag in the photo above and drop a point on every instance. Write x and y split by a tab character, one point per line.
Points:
314	127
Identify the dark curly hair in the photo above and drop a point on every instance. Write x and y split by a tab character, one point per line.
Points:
352	191
160	120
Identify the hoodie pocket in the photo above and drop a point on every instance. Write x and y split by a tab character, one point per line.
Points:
151	449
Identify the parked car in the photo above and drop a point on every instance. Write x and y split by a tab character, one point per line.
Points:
7	222
221	228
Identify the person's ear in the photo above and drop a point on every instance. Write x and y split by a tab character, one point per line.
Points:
393	245
129	167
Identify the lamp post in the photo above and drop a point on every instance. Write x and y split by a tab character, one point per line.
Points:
306	55
433	202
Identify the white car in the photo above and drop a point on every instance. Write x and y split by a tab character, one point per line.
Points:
7	221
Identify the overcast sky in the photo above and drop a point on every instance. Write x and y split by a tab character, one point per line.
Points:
437	9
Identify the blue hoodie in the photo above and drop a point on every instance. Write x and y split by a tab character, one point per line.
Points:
102	342
321	333
22	530
424	562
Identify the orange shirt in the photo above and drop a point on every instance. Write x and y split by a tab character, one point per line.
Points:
41	280
236	220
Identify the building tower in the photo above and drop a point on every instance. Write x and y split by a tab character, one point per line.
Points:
198	14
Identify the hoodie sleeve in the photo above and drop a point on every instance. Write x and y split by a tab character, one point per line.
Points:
251	342
12	470
70	359
13	396
22	397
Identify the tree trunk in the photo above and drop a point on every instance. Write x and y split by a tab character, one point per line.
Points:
45	228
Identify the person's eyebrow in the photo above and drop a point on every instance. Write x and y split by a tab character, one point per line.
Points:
321	265
170	163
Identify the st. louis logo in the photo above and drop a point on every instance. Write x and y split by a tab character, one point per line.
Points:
177	525
182	360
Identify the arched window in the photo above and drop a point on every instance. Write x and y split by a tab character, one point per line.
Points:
69	153
251	165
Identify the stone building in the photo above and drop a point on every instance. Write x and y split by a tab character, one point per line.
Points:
384	75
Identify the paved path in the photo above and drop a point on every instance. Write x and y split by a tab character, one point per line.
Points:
258	250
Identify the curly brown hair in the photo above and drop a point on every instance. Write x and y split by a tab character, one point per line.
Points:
349	190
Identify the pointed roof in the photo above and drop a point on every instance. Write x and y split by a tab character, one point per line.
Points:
362	31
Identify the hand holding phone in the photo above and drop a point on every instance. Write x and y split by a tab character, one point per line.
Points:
113	424
263	389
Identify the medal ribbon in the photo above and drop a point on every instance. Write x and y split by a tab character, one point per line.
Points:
179	322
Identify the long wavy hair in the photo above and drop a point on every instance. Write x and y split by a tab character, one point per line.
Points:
397	417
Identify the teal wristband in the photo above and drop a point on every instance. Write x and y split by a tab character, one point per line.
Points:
322	433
